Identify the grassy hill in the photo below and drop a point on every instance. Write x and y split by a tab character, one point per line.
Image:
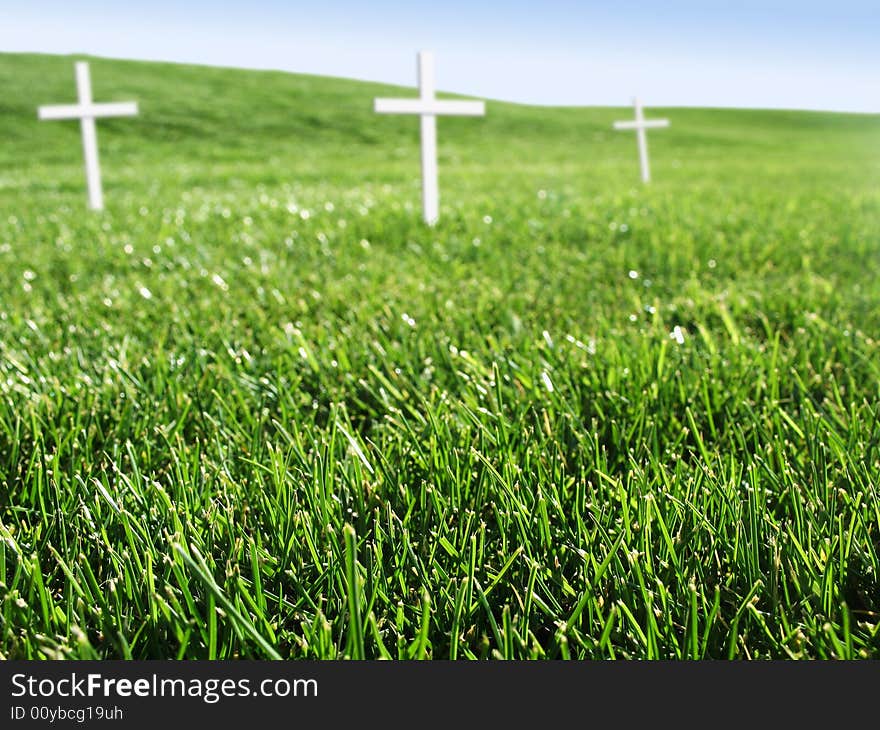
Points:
255	408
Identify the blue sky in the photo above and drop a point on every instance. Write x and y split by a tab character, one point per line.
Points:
747	53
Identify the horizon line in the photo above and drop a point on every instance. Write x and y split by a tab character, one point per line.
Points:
535	105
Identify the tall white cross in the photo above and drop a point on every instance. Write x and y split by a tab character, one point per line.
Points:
640	125
87	111
429	108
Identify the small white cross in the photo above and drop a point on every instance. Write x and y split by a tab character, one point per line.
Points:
87	111
429	108
640	125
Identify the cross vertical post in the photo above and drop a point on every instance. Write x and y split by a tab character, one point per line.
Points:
643	141
89	137
430	184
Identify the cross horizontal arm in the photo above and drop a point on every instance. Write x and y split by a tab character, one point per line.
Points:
648	124
435	106
80	111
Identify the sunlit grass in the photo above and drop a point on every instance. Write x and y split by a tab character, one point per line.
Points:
256	409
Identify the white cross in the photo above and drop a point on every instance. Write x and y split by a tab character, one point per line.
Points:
87	111
640	125
429	108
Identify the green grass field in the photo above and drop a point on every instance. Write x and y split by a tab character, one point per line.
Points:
257	409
